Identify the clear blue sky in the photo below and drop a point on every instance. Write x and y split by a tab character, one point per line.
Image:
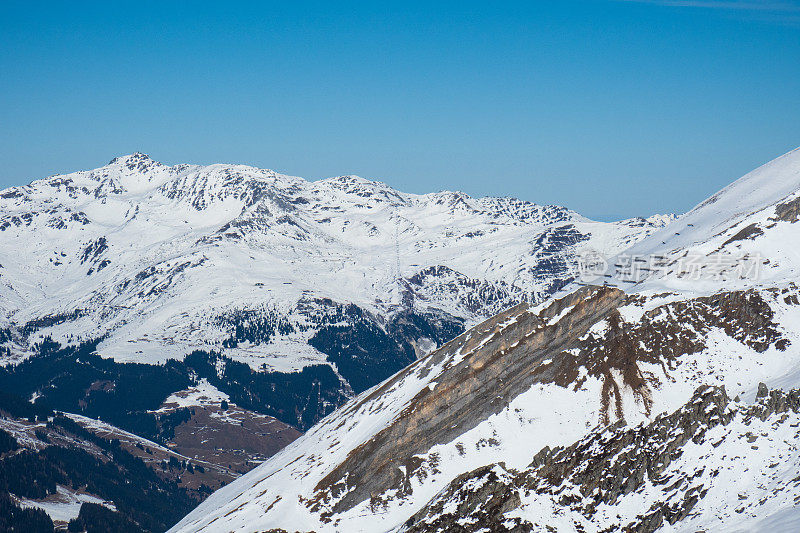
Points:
613	108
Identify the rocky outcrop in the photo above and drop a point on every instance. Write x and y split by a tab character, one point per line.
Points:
516	349
600	469
788	211
501	356
661	337
475	501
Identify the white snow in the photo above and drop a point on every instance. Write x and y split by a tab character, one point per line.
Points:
65	504
272	494
199	395
187	245
702	233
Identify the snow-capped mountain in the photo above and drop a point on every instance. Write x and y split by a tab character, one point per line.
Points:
740	237
158	261
468	437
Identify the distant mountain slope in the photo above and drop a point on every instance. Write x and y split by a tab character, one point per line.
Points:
273	271
404	454
59	471
57	462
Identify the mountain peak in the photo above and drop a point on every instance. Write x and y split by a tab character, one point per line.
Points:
136	158
351	180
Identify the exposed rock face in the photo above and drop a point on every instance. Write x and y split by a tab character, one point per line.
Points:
661	337
789	211
478	499
500	366
600	343
602	468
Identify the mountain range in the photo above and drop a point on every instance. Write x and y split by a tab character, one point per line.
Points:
153	262
660	395
194	320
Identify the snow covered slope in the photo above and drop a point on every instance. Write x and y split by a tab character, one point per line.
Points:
159	260
553	373
742	236
713	465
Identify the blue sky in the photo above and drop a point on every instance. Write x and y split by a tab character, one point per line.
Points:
612	108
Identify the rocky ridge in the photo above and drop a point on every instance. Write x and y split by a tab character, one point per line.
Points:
580	483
